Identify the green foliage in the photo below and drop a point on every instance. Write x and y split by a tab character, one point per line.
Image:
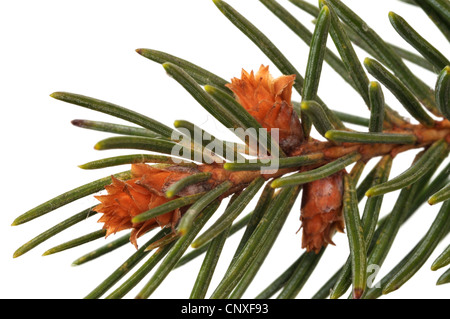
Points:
369	239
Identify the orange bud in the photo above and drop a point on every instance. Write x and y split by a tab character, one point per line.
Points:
268	100
127	199
321	211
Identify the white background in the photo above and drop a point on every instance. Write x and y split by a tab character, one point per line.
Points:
88	47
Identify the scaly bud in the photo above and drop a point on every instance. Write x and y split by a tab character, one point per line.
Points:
321	211
268	100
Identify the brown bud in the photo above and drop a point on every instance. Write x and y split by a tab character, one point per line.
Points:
321	211
268	100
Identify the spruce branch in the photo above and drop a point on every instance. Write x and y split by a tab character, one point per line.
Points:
180	197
